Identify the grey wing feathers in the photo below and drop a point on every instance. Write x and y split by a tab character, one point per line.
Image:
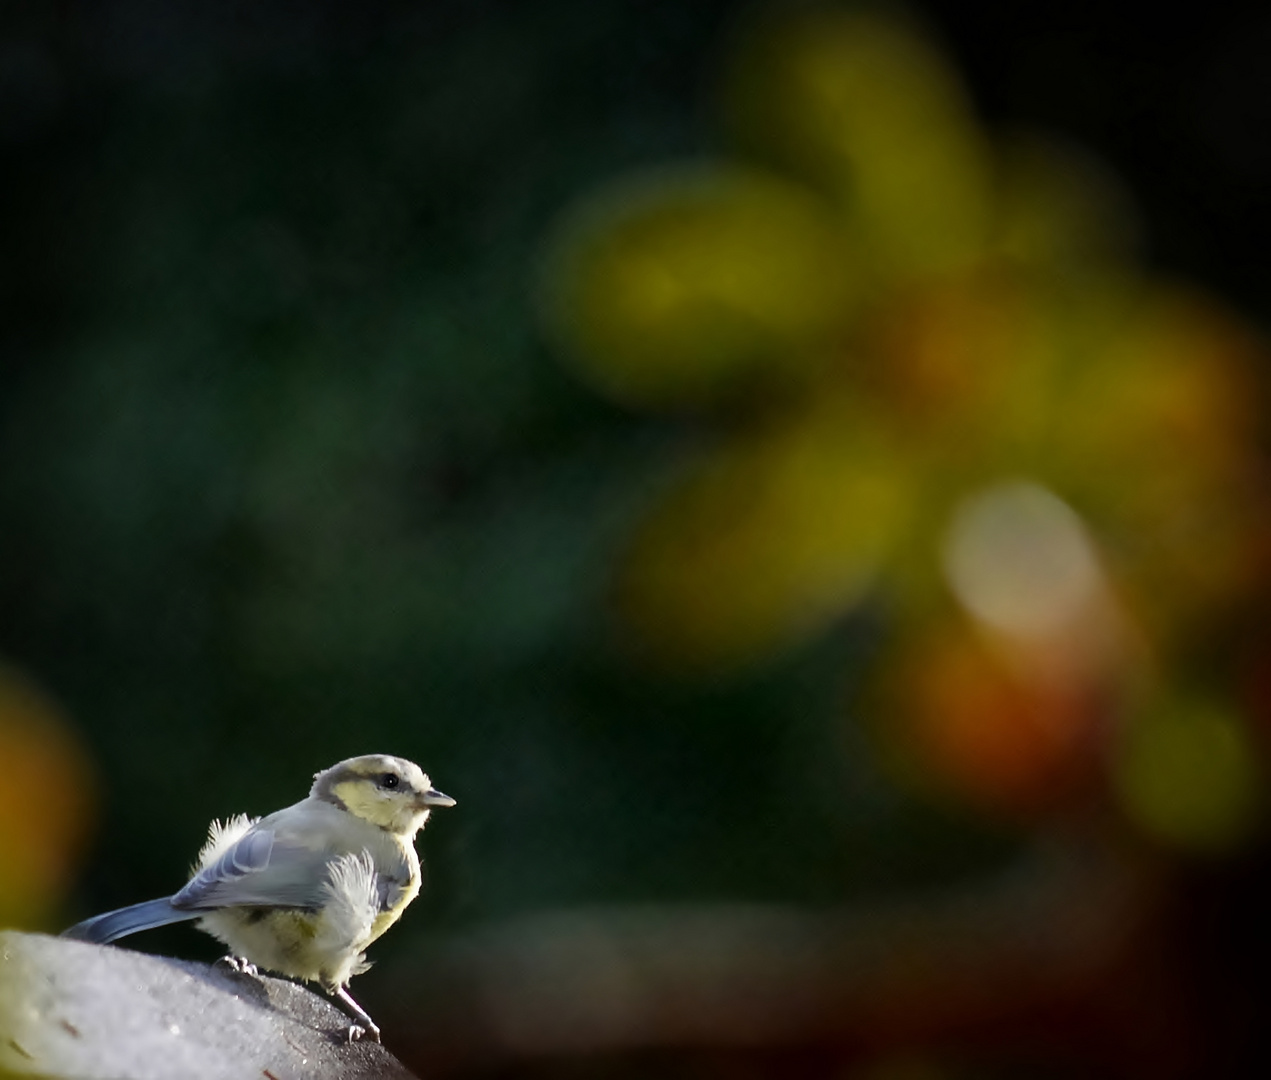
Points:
248	855
258	871
106	928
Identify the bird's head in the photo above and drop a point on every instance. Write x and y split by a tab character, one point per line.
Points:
387	791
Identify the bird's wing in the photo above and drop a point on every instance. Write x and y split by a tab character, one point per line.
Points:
280	862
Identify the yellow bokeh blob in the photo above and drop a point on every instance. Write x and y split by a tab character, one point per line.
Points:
766	541
1188	776
1154	433
1169	393
867	110
667	290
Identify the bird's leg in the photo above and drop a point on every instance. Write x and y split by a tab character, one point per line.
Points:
365	1028
238	964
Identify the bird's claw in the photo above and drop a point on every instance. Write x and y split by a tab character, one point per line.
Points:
358	1033
238	965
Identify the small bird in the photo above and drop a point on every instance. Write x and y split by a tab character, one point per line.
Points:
305	890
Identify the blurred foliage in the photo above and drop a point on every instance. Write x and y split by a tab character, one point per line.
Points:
934	373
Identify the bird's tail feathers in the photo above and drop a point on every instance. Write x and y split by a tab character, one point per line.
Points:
130	920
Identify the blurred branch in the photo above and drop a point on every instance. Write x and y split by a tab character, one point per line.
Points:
1052	958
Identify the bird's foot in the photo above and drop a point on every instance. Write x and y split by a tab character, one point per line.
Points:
358	1033
238	965
365	1028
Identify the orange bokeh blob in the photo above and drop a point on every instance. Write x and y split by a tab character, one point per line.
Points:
993	728
946	354
46	802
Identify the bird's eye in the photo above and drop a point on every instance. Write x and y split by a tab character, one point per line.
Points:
390	780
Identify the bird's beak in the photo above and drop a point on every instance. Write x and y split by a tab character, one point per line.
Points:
433	797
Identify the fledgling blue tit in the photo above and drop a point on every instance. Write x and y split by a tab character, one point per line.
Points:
305	890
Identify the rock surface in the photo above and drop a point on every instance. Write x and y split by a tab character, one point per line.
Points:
70	1009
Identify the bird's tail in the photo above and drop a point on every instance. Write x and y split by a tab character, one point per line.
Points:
116	924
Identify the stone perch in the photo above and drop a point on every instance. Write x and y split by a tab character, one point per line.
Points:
70	1009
